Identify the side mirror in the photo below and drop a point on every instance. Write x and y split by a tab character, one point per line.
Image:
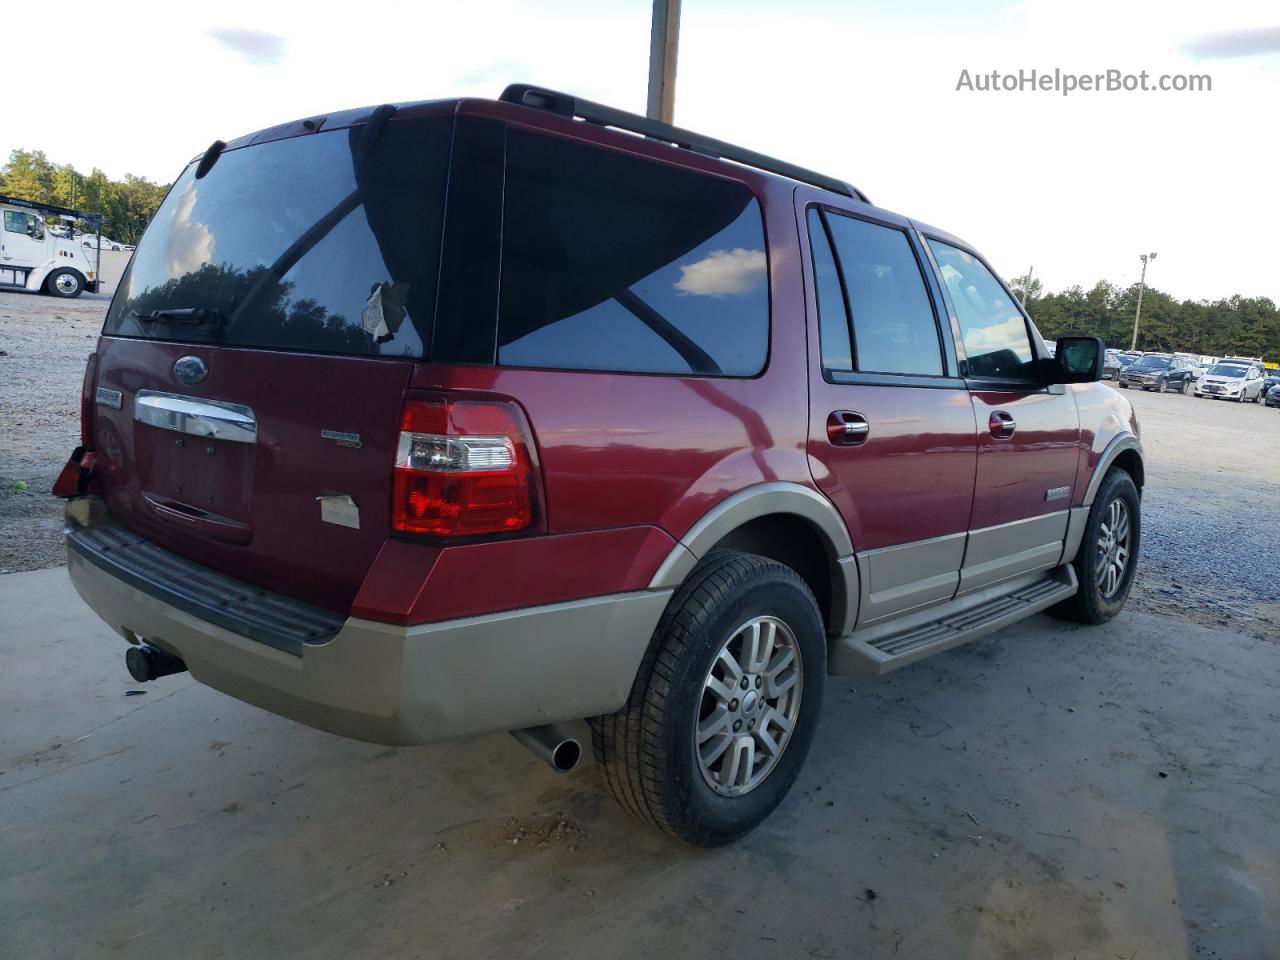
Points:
1077	360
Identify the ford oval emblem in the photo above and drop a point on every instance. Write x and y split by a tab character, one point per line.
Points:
190	369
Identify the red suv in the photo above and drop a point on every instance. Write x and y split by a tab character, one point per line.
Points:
465	416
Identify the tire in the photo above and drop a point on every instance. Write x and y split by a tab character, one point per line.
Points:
649	750
1186	387
1123	385
65	283
1093	603
1161	387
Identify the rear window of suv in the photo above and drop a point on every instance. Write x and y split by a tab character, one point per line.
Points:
301	244
616	262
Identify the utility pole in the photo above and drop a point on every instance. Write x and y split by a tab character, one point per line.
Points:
1142	286
662	60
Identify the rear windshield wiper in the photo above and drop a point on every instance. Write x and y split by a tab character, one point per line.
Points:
191	315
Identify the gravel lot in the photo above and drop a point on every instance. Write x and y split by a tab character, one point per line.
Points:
43	345
1211	546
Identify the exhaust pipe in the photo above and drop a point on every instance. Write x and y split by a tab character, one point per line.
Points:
550	744
146	662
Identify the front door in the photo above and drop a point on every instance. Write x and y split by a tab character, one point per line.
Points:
22	241
1028	434
891	438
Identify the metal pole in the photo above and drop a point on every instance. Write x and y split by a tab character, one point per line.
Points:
663	43
1142	286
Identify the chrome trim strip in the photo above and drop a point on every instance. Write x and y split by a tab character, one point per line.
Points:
196	416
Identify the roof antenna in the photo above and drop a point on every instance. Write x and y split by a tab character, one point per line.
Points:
373	127
210	158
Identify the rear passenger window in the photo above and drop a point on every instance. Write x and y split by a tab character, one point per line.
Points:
995	335
614	262
894	328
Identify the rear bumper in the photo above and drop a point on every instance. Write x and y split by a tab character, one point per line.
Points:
401	684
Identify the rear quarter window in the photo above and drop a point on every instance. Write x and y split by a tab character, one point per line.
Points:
616	262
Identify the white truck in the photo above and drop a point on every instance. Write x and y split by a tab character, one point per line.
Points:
33	258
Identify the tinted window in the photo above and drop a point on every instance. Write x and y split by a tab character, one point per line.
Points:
995	334
894	330
833	320
303	243
613	262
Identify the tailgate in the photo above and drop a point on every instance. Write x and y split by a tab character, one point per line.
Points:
290	490
255	355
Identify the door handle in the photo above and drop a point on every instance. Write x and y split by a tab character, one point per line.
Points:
847	429
1002	425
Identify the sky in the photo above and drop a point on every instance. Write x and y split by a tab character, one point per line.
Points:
1075	187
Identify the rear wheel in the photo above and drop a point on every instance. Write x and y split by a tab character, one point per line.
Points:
1108	555
64	283
725	704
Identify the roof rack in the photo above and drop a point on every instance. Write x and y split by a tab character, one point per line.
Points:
567	105
51	209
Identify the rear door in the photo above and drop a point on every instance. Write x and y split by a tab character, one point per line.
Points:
255	357
1028	434
891	436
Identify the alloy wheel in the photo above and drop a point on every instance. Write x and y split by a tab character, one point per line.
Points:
750	702
1114	535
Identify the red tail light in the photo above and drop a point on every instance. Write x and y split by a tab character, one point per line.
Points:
86	402
463	468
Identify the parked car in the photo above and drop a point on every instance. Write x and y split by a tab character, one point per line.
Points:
1231	381
1270	381
1117	362
1273	397
666	480
91	240
1158	372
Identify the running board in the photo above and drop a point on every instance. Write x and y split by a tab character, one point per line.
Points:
887	646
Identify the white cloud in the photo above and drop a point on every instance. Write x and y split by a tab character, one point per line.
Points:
995	336
723	273
190	244
255	46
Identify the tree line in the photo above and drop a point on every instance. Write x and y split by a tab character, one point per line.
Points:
126	205
1231	326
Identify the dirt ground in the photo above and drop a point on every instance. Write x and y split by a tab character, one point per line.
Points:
44	342
1048	792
